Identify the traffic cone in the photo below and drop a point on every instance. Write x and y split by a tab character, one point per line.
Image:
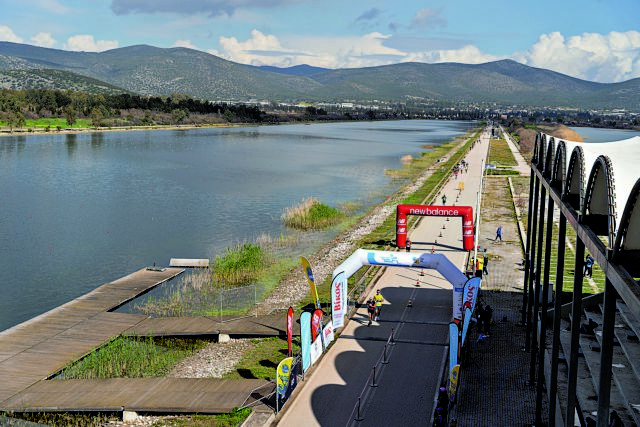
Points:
439	235
422	271
444	226
447	218
418	282
410	303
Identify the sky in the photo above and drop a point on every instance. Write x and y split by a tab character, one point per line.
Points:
596	40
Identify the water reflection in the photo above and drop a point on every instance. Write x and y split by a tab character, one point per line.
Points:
72	143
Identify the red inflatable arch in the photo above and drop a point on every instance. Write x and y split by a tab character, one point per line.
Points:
466	212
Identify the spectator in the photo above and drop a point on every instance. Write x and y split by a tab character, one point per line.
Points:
588	266
485	263
408	245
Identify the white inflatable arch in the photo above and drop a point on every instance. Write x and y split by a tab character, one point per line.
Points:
438	262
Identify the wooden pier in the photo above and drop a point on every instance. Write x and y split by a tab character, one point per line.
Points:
34	351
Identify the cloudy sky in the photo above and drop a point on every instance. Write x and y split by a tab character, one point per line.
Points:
596	40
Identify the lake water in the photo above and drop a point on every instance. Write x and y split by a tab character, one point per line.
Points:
81	210
604	135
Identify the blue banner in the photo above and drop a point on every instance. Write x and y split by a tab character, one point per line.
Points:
466	318
453	344
305	338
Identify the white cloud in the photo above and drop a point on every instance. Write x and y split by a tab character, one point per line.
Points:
7	35
469	54
333	52
598	57
591	56
184	43
43	39
86	43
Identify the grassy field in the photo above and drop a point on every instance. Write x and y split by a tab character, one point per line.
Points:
501	156
590	286
261	361
53	123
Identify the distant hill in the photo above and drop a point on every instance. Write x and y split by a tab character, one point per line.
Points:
55	79
296	70
149	70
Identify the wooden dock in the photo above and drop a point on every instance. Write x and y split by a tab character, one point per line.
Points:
34	351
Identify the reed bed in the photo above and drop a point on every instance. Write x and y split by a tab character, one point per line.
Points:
133	358
311	214
240	265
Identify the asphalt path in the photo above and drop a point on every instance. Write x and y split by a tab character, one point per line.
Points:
404	390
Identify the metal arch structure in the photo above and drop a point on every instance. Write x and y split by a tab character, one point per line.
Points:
595	188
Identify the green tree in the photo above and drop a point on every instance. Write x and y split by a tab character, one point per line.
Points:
229	115
70	115
178	115
96	117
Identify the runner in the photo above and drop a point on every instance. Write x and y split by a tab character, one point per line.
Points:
371	310
378	299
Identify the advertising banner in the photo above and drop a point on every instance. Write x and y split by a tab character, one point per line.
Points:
453	344
289	329
305	339
293	382
316	350
309	273
339	299
453	382
466	318
282	375
328	335
316	324
470	293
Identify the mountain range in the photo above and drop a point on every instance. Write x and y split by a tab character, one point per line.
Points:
149	70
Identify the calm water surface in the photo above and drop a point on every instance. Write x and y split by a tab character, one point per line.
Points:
78	211
605	135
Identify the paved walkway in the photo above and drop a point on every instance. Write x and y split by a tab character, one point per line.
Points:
407	384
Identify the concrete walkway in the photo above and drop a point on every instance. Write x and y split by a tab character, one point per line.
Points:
406	386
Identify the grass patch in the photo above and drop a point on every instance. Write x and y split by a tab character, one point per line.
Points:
133	358
502	172
240	264
231	419
500	154
311	214
261	361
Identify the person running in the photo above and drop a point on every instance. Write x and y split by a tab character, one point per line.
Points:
378	301
444	199
371	310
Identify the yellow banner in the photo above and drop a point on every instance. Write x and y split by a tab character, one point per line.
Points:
453	382
282	375
309	274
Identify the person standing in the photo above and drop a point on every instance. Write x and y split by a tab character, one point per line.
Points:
378	299
485	263
499	233
408	245
444	199
588	266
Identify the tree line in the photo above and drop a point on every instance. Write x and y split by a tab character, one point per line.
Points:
118	110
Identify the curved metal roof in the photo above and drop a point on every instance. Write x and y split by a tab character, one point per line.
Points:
603	175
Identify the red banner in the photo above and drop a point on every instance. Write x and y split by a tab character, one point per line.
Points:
316	324
289	329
